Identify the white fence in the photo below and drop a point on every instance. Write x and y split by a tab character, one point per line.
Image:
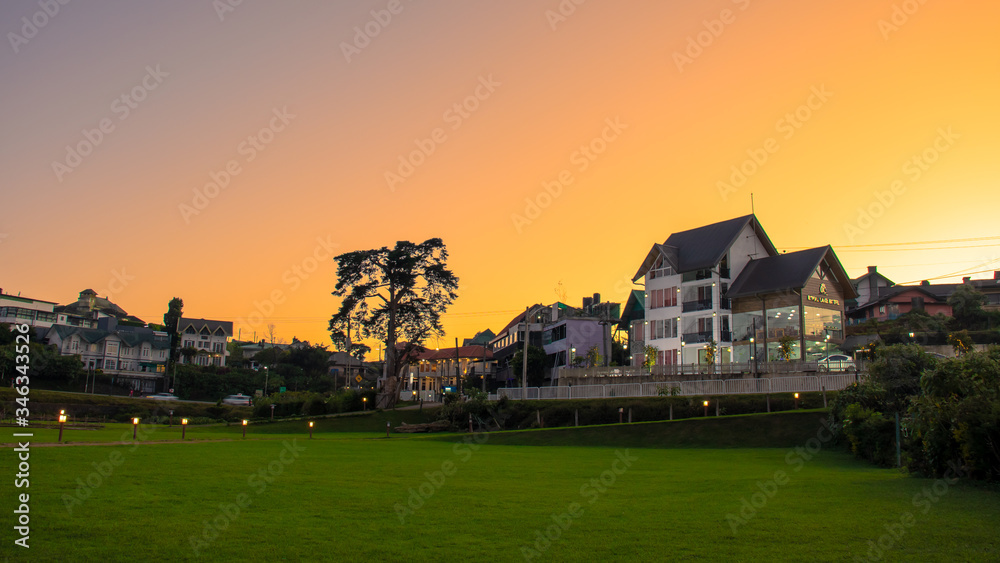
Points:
799	384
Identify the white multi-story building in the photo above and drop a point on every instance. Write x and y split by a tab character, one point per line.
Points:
207	338
686	279
15	309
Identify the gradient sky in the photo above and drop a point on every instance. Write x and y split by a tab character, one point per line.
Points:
900	78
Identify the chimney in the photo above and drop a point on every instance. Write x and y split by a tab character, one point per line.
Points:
966	280
996	277
872	270
925	282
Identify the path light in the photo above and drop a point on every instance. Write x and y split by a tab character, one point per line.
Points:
387	427
272	411
135	426
184	426
62	420
796	400
705	404
244	428
171	423
620	411
310	430
364	403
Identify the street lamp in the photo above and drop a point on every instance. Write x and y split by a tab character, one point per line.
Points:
135	426
266	374
244	428
62	420
184	426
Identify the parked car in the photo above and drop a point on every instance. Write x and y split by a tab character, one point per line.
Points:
836	362
239	399
162	397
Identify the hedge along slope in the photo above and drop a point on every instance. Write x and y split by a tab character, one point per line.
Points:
776	430
47	404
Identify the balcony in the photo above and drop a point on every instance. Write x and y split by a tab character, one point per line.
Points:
707	336
698	305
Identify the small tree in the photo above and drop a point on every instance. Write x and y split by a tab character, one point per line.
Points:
785	348
593	356
710	352
650	357
961	342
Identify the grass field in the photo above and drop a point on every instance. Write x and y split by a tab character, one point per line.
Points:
352	494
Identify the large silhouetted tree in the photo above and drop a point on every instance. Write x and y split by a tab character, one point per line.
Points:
393	295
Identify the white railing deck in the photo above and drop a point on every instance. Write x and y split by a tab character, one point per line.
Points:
798	384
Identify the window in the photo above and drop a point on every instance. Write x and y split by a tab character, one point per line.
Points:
665	328
663	298
110	363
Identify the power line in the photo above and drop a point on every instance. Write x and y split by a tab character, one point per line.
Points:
945	241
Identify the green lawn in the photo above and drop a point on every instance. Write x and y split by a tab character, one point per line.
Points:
345	496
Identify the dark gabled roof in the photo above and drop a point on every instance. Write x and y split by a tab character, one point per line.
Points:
130	336
788	271
703	247
198	324
634	309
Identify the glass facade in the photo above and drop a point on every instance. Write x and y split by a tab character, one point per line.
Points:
822	322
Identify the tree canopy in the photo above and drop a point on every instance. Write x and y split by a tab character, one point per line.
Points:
395	296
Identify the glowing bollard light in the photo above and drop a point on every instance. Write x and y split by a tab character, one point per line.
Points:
364	403
272	411
310	430
184	426
620	412
796	400
62	420
705	404
244	428
135	426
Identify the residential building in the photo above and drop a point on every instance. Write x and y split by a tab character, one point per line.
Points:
510	339
693	278
15	309
204	341
686	279
897	300
89	308
632	323
868	287
135	355
430	372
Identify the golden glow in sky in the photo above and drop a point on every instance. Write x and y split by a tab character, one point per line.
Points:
224	154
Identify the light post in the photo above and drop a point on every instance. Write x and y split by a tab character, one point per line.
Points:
364	403
244	428
272	411
310	430
705	404
135	427
620	411
796	400
171	422
184	426
62	420
266	374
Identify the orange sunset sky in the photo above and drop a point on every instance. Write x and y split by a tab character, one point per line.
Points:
117	115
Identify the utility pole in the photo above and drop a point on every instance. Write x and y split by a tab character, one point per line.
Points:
458	374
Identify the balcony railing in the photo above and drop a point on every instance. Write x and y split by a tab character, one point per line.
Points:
707	336
699	305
